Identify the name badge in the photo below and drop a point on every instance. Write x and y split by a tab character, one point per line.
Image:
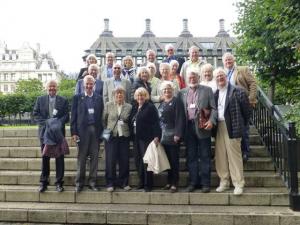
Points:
91	111
192	106
54	112
120	122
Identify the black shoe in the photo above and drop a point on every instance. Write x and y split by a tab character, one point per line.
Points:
59	188
42	188
147	189
78	189
190	188
167	187
93	188
245	158
173	189
140	186
205	189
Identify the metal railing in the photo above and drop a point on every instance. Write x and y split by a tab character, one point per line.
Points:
281	142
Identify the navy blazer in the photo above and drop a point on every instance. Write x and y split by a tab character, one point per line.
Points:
79	114
41	112
79	89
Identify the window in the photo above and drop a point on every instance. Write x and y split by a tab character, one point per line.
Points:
13	77
5	77
5	88
40	76
12	88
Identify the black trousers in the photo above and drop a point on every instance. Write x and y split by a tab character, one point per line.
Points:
172	152
117	151
146	177
60	169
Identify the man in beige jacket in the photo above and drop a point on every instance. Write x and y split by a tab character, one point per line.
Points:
241	76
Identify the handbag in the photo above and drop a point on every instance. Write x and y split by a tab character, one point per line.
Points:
108	133
203	117
167	136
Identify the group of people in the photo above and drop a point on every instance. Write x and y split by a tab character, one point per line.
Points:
188	101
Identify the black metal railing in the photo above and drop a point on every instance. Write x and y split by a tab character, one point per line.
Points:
281	142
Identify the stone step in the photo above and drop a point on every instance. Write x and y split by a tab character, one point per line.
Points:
70	213
32	152
33	132
252	178
251	196
34	142
259	164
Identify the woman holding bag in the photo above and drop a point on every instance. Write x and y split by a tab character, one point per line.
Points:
172	122
116	118
145	125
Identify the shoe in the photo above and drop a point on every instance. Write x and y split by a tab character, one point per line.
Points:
42	188
140	186
238	191
245	158
190	188
147	189
127	188
78	189
93	188
167	187
59	188
173	189
222	188
205	189
110	189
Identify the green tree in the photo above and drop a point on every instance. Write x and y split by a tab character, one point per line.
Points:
29	86
268	39
66	88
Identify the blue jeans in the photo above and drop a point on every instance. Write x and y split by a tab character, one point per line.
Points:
198	149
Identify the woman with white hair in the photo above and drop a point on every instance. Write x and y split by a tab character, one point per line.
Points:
174	76
207	77
129	70
172	122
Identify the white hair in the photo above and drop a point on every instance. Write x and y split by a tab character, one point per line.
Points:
165	84
192	71
87	78
169	46
227	55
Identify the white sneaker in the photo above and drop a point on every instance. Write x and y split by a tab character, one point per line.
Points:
238	191
110	189
222	188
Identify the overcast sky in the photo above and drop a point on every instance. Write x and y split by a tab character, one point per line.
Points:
66	28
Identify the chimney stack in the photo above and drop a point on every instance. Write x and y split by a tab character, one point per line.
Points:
222	32
106	32
185	32
148	32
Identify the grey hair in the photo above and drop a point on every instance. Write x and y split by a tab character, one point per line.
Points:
192	71
165	84
161	65
142	69
174	62
110	53
93	66
91	56
227	55
194	47
169	46
153	65
218	70
206	66
51	82
149	51
117	64
87	78
119	88
126	58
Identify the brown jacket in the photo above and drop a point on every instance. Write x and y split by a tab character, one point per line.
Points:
246	80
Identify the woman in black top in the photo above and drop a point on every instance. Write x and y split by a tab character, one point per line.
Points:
145	124
172	122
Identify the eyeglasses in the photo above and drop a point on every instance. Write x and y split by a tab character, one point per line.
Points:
117	68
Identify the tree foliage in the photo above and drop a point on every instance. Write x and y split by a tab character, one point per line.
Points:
268	39
29	86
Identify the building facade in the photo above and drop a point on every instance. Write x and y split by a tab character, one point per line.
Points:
23	64
211	48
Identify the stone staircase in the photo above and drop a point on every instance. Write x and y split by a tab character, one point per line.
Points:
265	199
